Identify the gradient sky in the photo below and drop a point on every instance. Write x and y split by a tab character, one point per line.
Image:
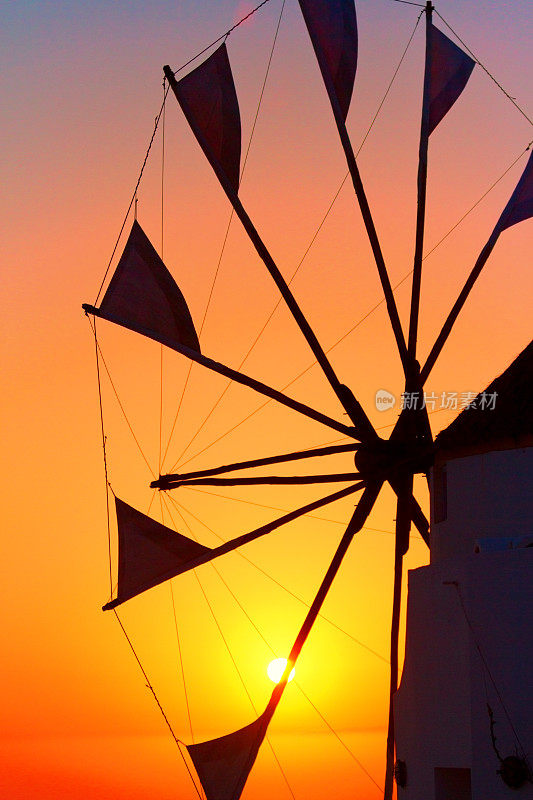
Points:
82	85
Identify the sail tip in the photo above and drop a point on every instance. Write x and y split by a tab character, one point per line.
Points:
89	309
109	606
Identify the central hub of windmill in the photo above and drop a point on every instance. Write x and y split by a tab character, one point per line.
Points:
388	458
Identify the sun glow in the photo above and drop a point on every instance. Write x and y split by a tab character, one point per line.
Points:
276	668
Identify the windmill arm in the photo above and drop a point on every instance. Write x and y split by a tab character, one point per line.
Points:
355	412
163	480
239	541
360	515
228	372
268	480
457	307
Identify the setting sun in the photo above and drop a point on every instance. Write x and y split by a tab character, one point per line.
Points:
276	668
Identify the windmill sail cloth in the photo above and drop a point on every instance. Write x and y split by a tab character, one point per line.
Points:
223	764
332	26
451	68
144	297
148	553
520	206
209	101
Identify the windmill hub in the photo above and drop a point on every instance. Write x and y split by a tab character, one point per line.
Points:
388	458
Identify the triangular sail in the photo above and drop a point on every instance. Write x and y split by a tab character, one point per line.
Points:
332	26
518	209
143	296
223	764
451	68
209	101
148	553
520	205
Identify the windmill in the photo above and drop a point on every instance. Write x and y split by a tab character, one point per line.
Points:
143	297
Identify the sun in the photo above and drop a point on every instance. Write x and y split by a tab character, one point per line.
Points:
276	668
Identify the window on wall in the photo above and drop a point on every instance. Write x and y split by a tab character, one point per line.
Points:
452	783
440	493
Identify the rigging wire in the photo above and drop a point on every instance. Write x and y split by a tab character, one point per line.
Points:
313	238
278	583
134	195
157	120
182	666
485	663
141	451
149	686
223	248
180	654
108	521
365	316
285	510
162	256
104	440
178	509
409	3
484	68
273	652
221	37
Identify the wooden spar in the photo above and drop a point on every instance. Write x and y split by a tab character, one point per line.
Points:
228	372
257	462
421	200
239	541
403	524
365	210
267	480
458	305
353	409
363	509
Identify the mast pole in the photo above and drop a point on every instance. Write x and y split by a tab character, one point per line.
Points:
422	184
373	238
363	205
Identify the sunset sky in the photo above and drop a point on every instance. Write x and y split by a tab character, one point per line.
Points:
82	85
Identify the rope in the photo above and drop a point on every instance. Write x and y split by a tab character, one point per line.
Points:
151	688
273	652
363	318
148	684
232	212
491	187
409	3
338	737
195	572
484	68
102	428
157	119
278	583
221	37
120	402
178	509
181	662
309	246
162	252
485	663
285	510
134	195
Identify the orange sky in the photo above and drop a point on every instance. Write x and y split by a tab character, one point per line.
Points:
82	85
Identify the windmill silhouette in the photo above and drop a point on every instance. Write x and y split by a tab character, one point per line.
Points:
143	297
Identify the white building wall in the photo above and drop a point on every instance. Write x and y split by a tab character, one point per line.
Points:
469	631
489	495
